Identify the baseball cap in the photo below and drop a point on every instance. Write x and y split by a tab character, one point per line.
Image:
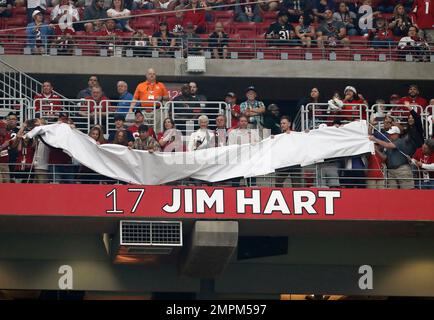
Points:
119	117
35	13
138	111
231	94
394	130
350	88
251	88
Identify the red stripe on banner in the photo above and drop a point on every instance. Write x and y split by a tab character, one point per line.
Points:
173	202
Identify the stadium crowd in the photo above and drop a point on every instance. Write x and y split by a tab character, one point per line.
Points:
211	24
401	143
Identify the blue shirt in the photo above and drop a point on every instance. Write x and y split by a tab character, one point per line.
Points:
124	105
41	35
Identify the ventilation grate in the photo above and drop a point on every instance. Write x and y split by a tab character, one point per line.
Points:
151	233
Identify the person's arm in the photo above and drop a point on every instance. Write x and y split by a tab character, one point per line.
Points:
387	145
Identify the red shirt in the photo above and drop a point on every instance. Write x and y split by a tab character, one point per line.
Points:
375	166
234	121
197	17
352	111
57	156
49	103
92	104
134	131
414	101
423	14
176	25
419	156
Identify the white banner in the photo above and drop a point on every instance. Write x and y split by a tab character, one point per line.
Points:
215	164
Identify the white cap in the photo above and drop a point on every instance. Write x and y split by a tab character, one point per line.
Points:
394	130
322	126
350	88
35	13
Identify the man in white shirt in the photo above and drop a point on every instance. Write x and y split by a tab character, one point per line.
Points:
203	138
242	134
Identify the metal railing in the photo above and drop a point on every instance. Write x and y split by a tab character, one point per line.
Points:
238	46
429	120
324	175
314	114
16	105
15	83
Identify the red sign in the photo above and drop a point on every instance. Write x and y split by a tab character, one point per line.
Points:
171	202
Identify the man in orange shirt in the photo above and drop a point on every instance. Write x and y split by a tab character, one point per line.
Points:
149	91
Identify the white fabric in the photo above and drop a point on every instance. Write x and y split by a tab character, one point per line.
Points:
243	136
36	3
65	9
213	164
203	136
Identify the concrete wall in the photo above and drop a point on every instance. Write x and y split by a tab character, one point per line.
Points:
228	68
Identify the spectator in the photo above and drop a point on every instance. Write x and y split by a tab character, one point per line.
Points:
366	15
139	120
35	5
375	174
196	15
247	11
125	98
63	41
354	105
305	30
191	41
221	132
253	109
121	138
148	93
397	151
145	141
195	96
231	100
92	82
119	120
331	32
414	98
143	4
95	12
413	45
26	151
243	134
281	32
423	18
313	106
354	172
295	8
5	143
12	131
37	33
164	41
319	8
140	44
176	24
109	38
170	139
272	119
85	174
423	159
381	36
48	101
218	42
269	5
185	111
96	99
66	14
400	22
121	14
6	8
164	4
347	17
203	138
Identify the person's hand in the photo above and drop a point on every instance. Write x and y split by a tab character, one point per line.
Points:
372	138
151	150
130	148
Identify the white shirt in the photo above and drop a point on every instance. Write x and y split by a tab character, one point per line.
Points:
66	9
243	136
112	13
36	3
201	139
41	156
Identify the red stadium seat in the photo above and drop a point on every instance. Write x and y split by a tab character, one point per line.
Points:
269	17
246	30
154	13
358	41
14	22
225	15
19	11
261	28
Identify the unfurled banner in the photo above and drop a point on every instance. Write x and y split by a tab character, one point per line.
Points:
214	164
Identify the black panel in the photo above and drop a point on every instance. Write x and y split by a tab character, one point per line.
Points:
257	247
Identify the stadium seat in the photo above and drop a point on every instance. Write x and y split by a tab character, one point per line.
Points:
261	28
19	11
14	22
246	30
225	15
358	41
269	17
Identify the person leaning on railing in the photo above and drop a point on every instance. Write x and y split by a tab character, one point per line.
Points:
37	33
